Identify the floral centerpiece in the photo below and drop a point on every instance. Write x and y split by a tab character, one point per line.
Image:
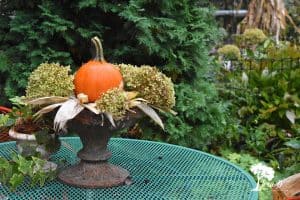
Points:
97	100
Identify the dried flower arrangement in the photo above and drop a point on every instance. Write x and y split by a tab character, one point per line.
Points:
101	87
97	100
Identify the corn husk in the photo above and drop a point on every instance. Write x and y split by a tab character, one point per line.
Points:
68	110
110	118
151	113
92	107
46	100
46	109
131	95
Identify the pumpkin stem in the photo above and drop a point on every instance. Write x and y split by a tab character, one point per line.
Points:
98	48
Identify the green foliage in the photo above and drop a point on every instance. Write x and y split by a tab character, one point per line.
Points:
13	172
283	50
268	107
29	42
266	104
4	119
244	160
174	35
200	120
50	79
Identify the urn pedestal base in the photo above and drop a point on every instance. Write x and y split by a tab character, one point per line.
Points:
94	175
93	170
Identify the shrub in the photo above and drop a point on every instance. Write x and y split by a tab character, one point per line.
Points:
253	36
230	51
173	35
267	107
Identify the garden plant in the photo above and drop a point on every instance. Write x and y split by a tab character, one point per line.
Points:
132	33
241	104
262	85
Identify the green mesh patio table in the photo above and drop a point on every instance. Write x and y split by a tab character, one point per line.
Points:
158	171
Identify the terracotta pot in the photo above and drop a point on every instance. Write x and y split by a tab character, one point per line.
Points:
94	171
4	137
27	144
4	109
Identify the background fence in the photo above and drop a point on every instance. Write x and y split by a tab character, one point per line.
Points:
261	64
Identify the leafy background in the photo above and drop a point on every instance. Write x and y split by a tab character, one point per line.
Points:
173	35
217	111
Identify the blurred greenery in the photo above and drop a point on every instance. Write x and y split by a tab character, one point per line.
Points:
264	100
175	36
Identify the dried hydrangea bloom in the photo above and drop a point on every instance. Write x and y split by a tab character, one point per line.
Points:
130	75
150	83
50	79
113	101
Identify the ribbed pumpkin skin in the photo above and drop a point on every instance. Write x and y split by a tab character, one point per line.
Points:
96	77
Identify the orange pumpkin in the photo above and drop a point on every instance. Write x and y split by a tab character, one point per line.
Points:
97	76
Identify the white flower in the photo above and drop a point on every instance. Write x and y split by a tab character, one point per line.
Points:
262	171
227	65
265	72
245	77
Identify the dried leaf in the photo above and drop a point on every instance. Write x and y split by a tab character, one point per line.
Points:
151	113
92	108
173	112
46	109
46	100
164	111
131	95
133	102
110	118
66	112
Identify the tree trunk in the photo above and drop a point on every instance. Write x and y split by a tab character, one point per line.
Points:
268	15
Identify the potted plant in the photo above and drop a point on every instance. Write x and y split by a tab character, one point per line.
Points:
5	122
33	137
30	164
103	98
4	109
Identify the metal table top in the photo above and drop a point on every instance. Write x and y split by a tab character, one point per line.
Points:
158	171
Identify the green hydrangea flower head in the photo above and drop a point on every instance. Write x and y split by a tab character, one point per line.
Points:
130	74
50	79
114	101
151	85
253	36
230	51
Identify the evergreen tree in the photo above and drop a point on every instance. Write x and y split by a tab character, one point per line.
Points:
174	35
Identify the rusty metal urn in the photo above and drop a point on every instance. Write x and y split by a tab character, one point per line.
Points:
93	170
